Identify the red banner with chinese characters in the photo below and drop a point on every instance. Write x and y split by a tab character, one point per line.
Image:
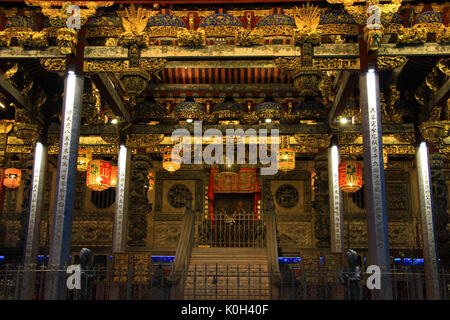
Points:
246	181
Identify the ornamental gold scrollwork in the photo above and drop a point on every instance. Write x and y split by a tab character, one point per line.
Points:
95	149
348	138
292	64
435	132
248	38
405	137
415	35
191	38
54	64
144	140
106	65
390	63
444	65
307	19
318	141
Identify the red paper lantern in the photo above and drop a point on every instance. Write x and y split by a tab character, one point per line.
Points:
350	176
114	176
98	177
12	177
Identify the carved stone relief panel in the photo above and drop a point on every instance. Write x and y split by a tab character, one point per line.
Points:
295	235
167	233
401	235
92	233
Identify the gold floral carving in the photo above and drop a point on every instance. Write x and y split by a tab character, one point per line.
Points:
248	38
144	140
66	40
348	138
443	35
444	65
317	141
292	64
106	65
390	63
58	9
436	132
405	137
191	38
54	64
134	23
37	39
338	29
307	19
415	35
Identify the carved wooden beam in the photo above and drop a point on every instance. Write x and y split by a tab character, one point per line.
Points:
109	93
328	50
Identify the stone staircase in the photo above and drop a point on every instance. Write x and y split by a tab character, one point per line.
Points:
228	273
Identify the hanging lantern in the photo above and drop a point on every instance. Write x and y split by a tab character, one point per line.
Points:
12	177
170	163
286	156
113	176
350	176
84	157
385	158
98	176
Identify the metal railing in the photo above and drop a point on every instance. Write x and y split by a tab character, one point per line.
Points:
220	282
237	230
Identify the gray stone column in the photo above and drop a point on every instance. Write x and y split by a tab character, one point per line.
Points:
122	195
374	182
61	232
336	220
428	225
34	219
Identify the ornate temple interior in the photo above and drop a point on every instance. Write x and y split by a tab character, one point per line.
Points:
91	93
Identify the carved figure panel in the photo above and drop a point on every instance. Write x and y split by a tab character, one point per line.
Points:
166	234
294	234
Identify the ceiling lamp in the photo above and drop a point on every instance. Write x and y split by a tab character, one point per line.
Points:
350	176
12	178
84	157
98	176
114	170
171	162
286	156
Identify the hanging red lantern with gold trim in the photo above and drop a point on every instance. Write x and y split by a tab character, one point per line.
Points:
12	178
350	176
114	178
84	157
151	181
98	177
